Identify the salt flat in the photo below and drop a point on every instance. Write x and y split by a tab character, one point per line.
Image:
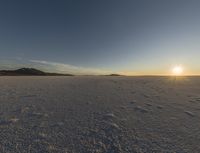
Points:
99	114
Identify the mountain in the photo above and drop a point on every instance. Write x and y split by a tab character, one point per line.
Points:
29	72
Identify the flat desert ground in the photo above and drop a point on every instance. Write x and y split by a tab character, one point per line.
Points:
99	114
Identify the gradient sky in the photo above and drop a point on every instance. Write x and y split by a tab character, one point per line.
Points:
101	36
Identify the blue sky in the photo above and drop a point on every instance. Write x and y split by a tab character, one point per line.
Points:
100	36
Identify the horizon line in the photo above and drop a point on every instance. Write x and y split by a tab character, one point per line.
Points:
110	74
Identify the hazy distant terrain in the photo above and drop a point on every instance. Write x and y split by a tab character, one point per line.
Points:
29	72
99	114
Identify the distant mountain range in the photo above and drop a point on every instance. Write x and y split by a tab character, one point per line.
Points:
29	72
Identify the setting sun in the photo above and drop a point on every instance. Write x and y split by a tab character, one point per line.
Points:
177	70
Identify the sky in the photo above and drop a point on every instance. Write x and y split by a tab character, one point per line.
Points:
132	37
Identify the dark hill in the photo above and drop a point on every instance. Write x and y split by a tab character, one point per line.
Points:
29	72
114	75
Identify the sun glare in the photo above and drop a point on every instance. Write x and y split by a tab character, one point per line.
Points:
177	70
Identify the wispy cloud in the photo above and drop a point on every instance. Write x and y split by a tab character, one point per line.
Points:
66	68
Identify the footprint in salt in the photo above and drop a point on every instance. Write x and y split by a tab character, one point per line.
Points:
189	113
148	104
132	102
109	116
159	107
141	109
